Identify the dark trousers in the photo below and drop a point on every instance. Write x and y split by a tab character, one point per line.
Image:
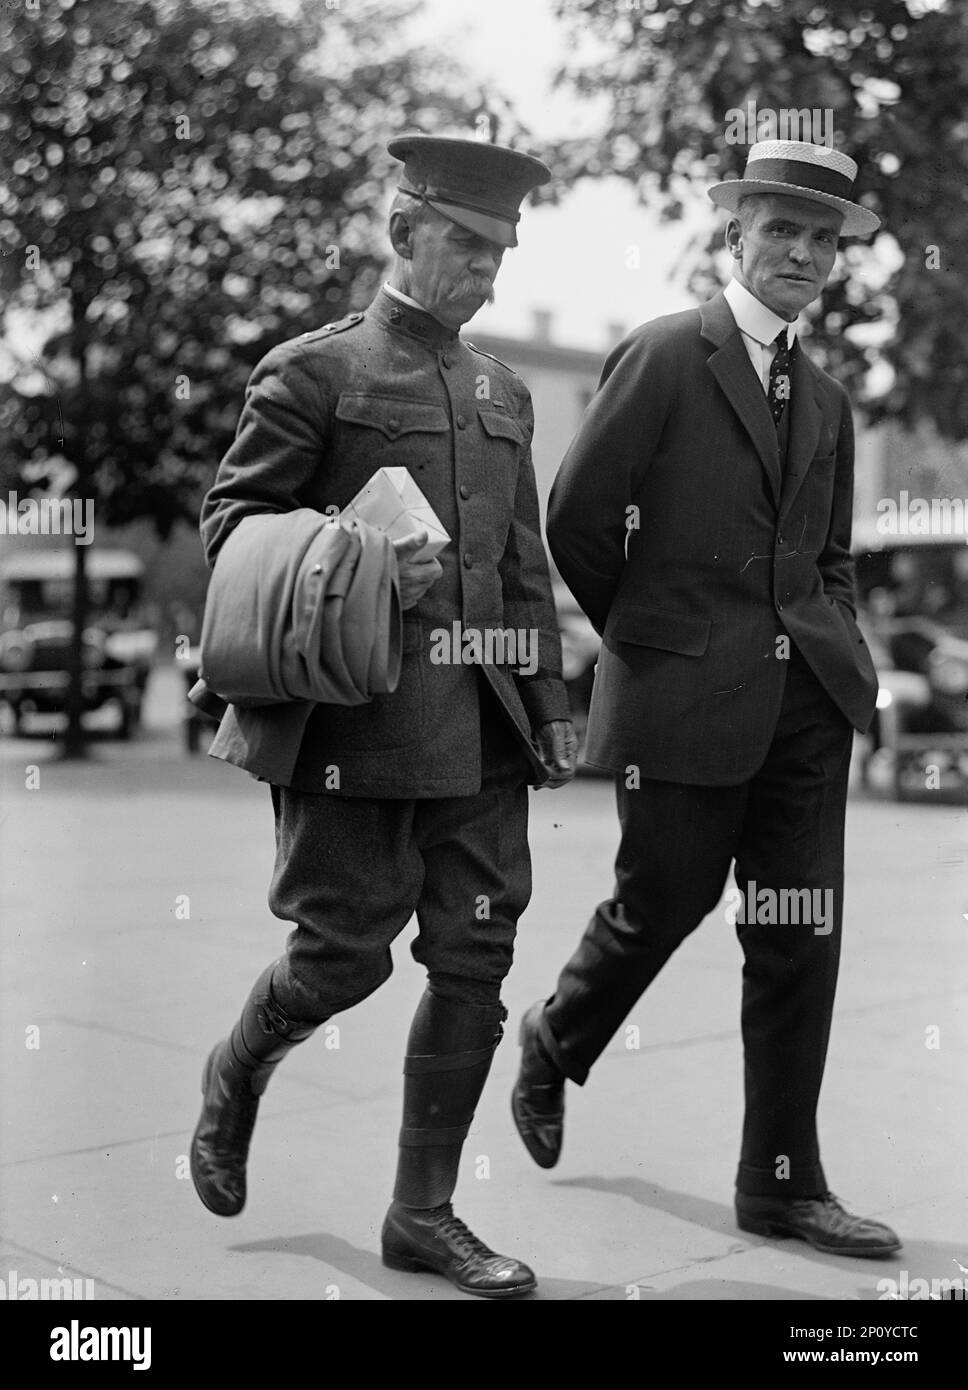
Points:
785	830
350	873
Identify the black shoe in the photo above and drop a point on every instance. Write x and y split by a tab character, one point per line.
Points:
820	1220
538	1098
434	1238
220	1145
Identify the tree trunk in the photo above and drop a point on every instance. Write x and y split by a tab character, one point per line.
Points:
75	740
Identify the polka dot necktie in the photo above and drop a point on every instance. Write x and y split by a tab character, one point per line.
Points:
780	377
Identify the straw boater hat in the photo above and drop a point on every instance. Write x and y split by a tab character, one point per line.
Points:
801	170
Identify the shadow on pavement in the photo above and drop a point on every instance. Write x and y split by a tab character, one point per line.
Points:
923	1259
367	1267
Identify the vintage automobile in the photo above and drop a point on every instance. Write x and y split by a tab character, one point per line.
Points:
912	595
35	635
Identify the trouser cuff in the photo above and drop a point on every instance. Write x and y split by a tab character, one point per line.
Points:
569	1067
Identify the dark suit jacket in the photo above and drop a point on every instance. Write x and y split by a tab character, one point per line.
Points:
677	463
392	388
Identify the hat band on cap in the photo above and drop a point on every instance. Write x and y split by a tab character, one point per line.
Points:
803	175
440	195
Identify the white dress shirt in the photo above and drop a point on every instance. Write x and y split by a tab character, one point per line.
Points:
758	326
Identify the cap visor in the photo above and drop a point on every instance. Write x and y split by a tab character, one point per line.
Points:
496	229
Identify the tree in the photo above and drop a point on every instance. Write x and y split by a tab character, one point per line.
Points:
183	184
893	73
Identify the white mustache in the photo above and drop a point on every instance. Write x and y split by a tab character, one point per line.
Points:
472	284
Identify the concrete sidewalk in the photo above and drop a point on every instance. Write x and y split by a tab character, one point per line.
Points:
134	921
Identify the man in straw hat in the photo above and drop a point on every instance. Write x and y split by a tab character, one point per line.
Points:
702	519
428	810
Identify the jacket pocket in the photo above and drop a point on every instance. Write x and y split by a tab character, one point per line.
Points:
501	426
392	417
670	632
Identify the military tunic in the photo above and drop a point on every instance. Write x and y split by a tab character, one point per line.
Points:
429	814
394	388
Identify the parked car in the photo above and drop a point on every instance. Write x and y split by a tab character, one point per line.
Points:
36	589
913	610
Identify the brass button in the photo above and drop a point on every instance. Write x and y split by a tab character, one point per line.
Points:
447	362
468	561
393	424
461	422
464	490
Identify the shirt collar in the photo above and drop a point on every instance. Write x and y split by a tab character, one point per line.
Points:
753	317
404	298
397	310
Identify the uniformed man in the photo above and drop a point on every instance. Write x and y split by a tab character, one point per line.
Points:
427	810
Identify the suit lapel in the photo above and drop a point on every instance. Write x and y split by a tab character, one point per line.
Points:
733	370
806	417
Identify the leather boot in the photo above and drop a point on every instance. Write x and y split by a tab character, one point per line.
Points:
449	1055
538	1098
235	1076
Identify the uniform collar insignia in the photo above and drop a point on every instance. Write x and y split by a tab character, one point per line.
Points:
415	322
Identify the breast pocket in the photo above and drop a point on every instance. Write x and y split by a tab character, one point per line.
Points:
815	501
386	432
823	465
497	425
502	443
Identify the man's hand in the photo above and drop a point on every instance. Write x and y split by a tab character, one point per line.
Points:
558	750
416	576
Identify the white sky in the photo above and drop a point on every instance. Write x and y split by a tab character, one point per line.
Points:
573	260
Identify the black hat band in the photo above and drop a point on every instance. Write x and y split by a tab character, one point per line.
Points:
802	174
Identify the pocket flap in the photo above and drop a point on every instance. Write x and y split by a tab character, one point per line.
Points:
670	632
392	417
501	426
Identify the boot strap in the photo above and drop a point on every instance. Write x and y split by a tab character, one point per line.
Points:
433	1138
415	1063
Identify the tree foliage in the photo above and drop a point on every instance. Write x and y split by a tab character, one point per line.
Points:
895	75
183	184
